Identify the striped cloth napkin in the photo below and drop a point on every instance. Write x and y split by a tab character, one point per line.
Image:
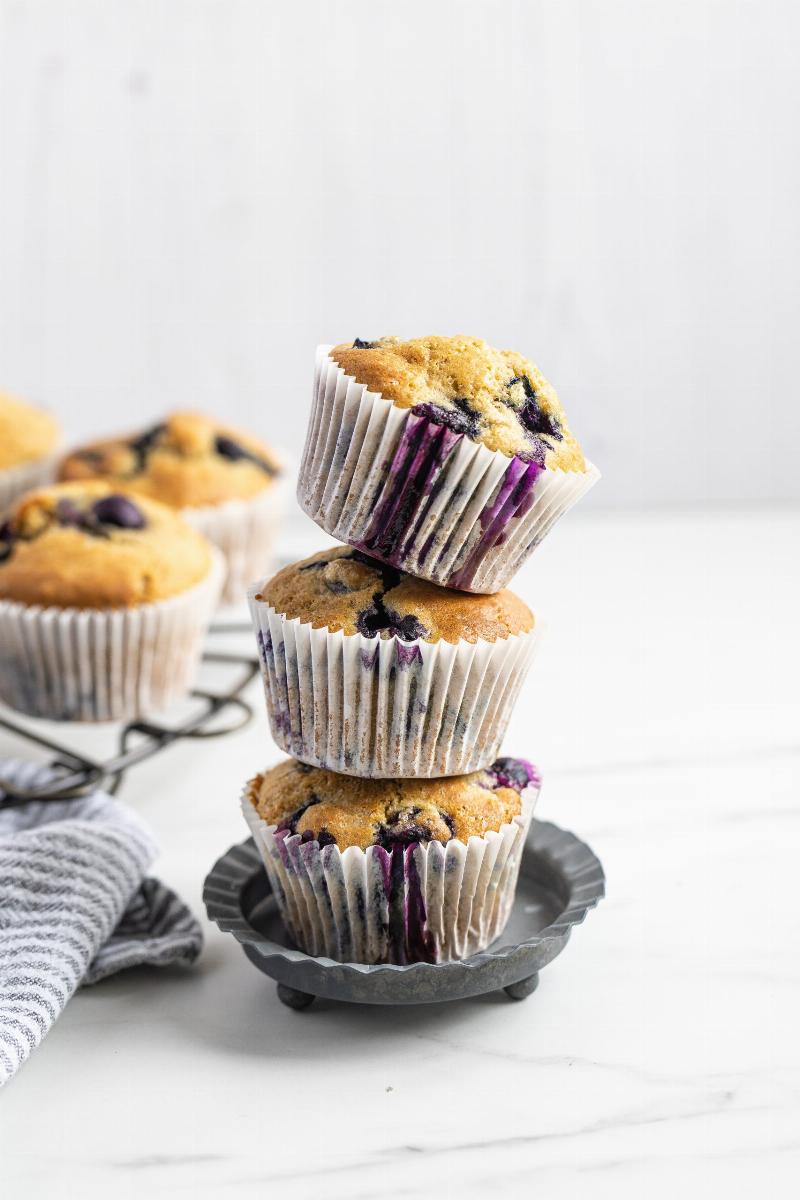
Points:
75	906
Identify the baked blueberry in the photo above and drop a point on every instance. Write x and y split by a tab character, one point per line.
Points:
226	447
382	812
119	511
6	540
496	397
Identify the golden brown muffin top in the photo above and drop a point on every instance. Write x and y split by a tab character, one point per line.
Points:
495	397
26	433
87	545
330	808
343	589
187	461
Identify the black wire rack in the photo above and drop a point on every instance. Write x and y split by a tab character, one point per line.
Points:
216	714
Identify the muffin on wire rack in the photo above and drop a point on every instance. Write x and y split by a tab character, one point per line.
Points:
226	483
105	598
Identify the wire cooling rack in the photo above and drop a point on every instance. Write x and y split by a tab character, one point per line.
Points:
215	714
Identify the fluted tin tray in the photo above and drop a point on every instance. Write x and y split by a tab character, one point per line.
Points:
560	880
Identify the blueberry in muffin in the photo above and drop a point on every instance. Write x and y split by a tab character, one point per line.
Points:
224	482
342	810
88	546
373	672
496	397
344	589
187	460
104	600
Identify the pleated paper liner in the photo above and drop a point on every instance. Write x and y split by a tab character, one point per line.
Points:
414	494
70	664
424	903
387	708
246	532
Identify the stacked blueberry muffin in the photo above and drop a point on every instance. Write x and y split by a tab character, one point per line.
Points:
391	664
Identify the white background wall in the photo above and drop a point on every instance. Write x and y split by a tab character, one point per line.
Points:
192	194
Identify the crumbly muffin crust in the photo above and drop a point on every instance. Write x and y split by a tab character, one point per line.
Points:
26	433
343	589
496	397
85	545
187	461
337	809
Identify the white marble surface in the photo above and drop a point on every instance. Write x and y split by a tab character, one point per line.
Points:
660	1051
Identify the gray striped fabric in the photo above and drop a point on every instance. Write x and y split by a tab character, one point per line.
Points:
74	906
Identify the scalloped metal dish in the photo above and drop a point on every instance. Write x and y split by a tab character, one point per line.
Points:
560	880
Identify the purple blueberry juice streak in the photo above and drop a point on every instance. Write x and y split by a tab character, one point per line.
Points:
409	938
513	499
265	647
434	449
369	658
423	448
420	944
407	654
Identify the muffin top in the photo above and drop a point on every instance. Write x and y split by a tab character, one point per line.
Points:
496	397
85	545
26	433
187	461
346	590
337	809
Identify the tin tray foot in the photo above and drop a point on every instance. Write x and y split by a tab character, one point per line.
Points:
293	998
525	987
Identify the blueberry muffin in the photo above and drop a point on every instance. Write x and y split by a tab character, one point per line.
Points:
339	810
381	870
372	672
441	456
225	482
82	545
344	589
28	443
495	397
104	599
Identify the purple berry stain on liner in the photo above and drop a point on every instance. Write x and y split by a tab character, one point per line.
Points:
407	655
410	489
409	938
513	500
369	658
423	449
265	648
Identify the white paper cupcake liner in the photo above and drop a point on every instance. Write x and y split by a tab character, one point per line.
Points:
417	495
428	902
71	664
387	708
246	532
14	481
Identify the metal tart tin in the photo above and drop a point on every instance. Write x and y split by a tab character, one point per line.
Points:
560	880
